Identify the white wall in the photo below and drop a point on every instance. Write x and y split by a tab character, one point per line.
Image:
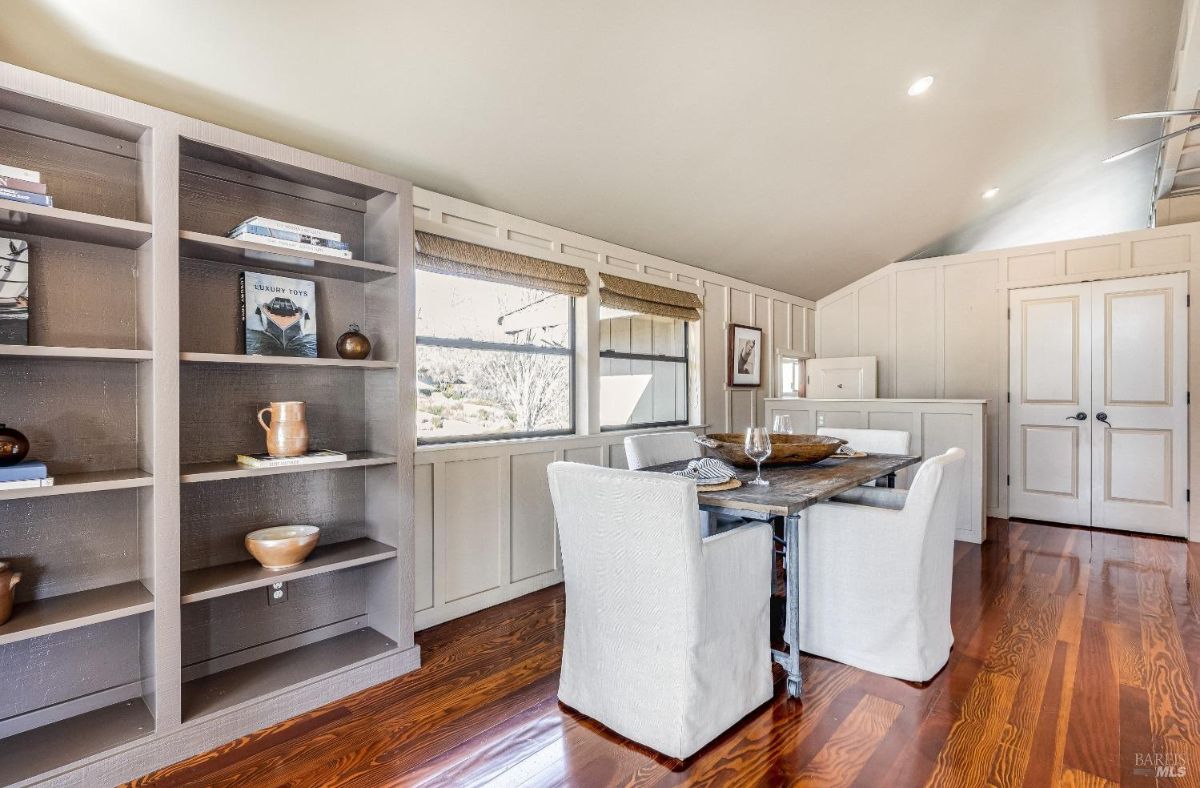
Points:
940	328
484	524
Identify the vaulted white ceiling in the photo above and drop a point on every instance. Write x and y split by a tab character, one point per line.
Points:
772	141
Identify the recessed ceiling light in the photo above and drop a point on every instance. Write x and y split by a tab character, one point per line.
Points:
920	86
990	193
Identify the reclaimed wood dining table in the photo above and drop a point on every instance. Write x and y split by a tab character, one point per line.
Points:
791	490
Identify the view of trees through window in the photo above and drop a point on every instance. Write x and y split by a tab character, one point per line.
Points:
492	359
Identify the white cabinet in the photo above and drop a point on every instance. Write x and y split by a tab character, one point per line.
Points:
853	377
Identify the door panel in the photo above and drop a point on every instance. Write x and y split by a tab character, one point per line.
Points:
1051	361
1050	452
1114	351
1138	337
1051	460
1140	379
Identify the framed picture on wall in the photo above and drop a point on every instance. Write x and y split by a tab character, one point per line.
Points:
745	355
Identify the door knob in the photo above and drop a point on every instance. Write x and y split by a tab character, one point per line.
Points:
1103	417
1080	416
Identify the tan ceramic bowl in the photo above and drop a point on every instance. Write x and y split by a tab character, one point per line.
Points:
283	546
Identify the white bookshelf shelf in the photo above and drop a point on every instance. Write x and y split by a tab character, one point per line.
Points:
72	225
73	739
283	361
70	611
75	483
255	255
244	683
217	471
215	581
75	353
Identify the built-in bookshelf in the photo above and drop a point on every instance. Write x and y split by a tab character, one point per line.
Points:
143	632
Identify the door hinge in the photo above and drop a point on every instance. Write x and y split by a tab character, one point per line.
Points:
1008	396
1008	481
1187	496
1189	398
1187	300
1010	313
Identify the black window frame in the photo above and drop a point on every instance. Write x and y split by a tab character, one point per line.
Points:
684	359
473	344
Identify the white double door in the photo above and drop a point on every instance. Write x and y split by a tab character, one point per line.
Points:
1098	413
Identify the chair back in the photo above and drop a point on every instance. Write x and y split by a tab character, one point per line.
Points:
933	506
656	448
630	542
870	441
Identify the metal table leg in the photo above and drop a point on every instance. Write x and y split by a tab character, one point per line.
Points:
791	626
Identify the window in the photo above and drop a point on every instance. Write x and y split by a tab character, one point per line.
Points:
493	360
643	370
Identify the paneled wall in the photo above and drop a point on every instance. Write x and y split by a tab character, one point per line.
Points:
484	523
939	326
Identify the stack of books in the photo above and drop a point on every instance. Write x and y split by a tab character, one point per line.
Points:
286	235
20	185
30	473
308	458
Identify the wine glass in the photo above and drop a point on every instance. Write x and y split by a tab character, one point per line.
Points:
782	424
758	448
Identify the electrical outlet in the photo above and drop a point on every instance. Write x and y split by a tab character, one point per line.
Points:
276	594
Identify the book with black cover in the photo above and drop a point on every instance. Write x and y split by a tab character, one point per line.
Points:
279	315
14	292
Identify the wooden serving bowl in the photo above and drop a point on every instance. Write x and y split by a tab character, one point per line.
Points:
283	546
785	449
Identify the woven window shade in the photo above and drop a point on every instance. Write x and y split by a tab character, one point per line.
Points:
621	293
449	256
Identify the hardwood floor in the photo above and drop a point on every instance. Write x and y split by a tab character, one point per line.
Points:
1076	663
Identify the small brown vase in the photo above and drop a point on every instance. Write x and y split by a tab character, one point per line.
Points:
13	446
353	344
8	584
287	434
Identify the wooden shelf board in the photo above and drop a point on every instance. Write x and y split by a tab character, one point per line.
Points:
287	361
70	611
209	694
215	581
92	481
72	225
62	743
83	353
216	471
255	255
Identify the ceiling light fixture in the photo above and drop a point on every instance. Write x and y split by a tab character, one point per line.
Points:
920	86
990	193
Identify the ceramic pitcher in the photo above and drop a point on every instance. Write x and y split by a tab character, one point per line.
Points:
8	584
287	434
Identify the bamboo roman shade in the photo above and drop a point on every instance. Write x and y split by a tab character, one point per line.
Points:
621	293
449	256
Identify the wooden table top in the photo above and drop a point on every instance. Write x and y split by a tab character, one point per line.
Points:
794	488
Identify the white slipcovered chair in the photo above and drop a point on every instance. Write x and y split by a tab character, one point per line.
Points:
875	582
870	441
656	448
667	635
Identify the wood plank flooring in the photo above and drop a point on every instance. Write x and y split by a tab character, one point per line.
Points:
1076	663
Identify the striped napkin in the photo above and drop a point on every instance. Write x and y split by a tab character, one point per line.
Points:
707	470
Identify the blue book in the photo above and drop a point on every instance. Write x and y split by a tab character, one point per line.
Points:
30	198
286	235
23	471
